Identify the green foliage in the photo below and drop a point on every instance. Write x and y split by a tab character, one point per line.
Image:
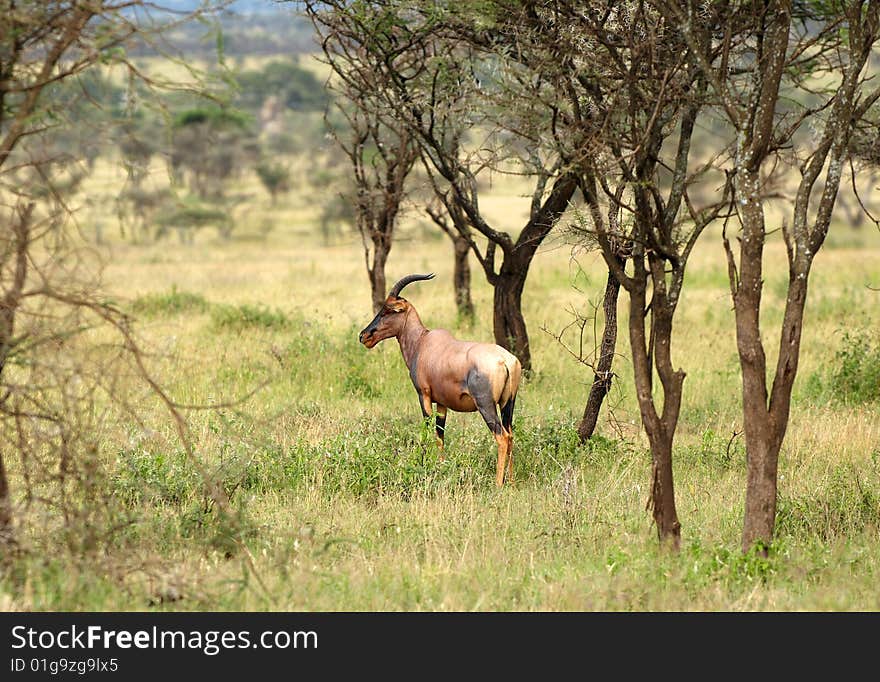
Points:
210	144
856	375
357	383
715	450
296	88
174	302
156	477
274	176
144	477
713	564
191	213
215	117
847	502
242	317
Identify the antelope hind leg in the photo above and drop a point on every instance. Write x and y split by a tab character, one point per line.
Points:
501	465
509	443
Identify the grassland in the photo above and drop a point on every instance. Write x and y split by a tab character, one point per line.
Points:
343	502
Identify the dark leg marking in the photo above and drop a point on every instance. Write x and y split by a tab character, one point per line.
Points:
481	391
441	425
507	423
507	413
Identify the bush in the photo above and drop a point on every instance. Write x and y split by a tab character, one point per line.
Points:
155	477
848	502
245	316
173	302
275	178
856	376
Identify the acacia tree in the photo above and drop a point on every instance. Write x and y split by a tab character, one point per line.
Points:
48	289
627	92
209	145
518	41
802	70
433	82
649	92
456	173
275	178
380	150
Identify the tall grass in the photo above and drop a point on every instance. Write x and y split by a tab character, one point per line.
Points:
339	498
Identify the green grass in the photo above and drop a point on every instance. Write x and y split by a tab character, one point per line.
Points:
856	378
339	500
246	316
173	302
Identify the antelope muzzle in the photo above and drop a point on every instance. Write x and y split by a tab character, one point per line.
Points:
368	333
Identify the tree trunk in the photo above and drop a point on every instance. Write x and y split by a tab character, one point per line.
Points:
761	459
660	431
760	511
764	425
508	321
662	500
461	278
760	508
376	272
7	537
603	374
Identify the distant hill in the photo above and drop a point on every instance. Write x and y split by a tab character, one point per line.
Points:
250	27
261	6
237	6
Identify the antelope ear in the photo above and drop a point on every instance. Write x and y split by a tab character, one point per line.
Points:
397	305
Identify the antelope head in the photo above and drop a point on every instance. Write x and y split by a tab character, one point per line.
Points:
390	319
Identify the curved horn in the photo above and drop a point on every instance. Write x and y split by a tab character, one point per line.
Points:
409	279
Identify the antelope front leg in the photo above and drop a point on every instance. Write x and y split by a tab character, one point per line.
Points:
440	426
427	411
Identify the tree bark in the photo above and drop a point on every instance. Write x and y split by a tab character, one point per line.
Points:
662	500
659	428
376	271
461	278
603	375
509	325
459	232
7	535
765	424
761	493
758	423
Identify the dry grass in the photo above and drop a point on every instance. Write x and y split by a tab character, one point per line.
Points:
345	504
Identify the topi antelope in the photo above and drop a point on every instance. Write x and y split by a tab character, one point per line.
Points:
462	376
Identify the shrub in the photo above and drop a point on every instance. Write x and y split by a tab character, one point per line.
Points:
856	375
144	476
173	302
245	316
847	502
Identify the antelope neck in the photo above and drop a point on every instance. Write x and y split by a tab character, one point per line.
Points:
410	336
